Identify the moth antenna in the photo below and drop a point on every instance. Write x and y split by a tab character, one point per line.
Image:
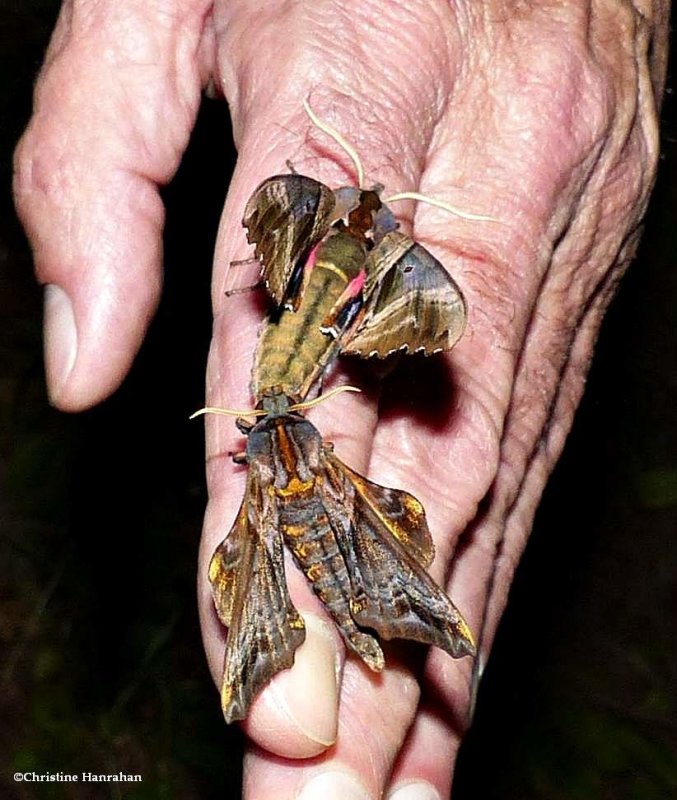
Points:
229	412
323	397
432	201
336	136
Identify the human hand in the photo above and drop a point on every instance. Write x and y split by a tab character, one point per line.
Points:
542	117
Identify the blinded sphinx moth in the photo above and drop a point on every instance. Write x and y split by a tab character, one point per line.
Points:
363	548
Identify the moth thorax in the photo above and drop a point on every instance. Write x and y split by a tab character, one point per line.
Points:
369	219
296	447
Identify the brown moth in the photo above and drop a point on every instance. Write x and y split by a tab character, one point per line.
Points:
363	547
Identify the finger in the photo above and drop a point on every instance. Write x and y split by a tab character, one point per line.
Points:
528	278
375	713
309	726
114	106
515	506
424	768
416	773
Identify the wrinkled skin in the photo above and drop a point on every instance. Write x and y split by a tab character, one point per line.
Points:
541	115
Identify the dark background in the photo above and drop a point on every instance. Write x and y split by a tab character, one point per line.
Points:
102	666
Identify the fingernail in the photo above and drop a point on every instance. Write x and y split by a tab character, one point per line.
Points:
311	698
418	790
333	785
61	340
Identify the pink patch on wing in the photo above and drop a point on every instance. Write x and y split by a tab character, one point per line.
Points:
356	284
312	259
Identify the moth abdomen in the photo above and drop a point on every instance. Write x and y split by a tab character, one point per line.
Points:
309	536
312	542
295	349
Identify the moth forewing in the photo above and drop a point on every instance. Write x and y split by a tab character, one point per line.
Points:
225	569
285	218
251	597
411	302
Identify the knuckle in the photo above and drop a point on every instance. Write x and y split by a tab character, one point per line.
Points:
42	177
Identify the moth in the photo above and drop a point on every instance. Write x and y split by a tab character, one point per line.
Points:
364	287
363	547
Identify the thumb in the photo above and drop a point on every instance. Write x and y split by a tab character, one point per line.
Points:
86	176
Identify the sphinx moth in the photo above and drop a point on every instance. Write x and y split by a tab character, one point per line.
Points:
363	547
366	288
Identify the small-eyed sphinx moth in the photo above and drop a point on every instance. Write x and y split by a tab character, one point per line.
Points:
343	279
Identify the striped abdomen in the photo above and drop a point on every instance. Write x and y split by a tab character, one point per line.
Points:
289	451
293	351
308	534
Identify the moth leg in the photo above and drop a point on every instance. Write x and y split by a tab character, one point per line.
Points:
244	425
291	167
243	289
240	262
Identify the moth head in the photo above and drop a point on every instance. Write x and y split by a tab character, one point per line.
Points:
273	403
